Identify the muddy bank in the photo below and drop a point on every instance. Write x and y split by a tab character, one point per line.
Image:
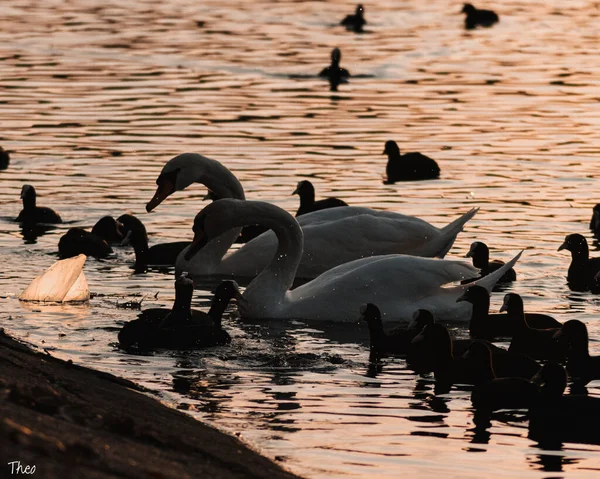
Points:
70	421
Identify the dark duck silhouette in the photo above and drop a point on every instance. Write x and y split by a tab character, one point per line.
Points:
450	368
135	234
481	259
32	214
408	167
556	418
478	18
109	229
355	22
484	325
306	191
396	341
490	392
181	328
582	367
79	241
334	73
536	343
595	221
4	159
583	269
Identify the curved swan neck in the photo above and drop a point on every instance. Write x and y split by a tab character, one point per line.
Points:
211	173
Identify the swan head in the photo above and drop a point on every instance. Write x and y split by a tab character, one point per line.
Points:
474	295
391	148
369	313
468	8
512	302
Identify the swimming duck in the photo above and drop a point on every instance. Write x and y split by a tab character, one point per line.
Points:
108	229
77	241
181	328
536	343
160	254
334	73
582	367
31	213
408	167
481	260
583	269
450	367
331	237
595	221
4	159
355	22
556	418
397	340
492	393
306	191
488	326
476	17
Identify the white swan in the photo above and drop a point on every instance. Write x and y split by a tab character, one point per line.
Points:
331	237
398	284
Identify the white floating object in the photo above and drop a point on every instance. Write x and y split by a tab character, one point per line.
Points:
64	281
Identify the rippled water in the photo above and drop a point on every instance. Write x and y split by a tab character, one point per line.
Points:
96	96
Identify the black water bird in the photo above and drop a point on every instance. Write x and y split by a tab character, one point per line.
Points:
135	234
32	214
334	73
595	221
582	367
181	328
77	241
478	18
355	22
481	259
306	191
484	325
536	343
4	159
583	269
557	418
397	340
109	229
411	166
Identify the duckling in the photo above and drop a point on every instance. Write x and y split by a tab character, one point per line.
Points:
396	341
334	73
108	229
408	167
181	328
476	17
559	418
306	191
4	159
492	393
77	241
595	221
481	260
484	325
536	343
32	214
160	254
450	368
583	269
582	367
355	22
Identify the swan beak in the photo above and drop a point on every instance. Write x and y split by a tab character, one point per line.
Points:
562	246
164	190
198	243
127	240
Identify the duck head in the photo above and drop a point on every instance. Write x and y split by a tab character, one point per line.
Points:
475	295
304	188
370	314
573	332
551	380
420	319
576	244
336	56
391	149
480	254
512	303
28	195
133	230
468	8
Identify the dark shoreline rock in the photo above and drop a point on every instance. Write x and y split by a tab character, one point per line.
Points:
71	421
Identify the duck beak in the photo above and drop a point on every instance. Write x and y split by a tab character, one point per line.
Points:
163	191
562	246
295	192
469	254
127	240
504	307
198	243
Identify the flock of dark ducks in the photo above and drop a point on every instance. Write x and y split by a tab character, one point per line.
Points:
528	375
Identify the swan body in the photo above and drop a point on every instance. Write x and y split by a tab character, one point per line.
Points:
331	237
399	284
